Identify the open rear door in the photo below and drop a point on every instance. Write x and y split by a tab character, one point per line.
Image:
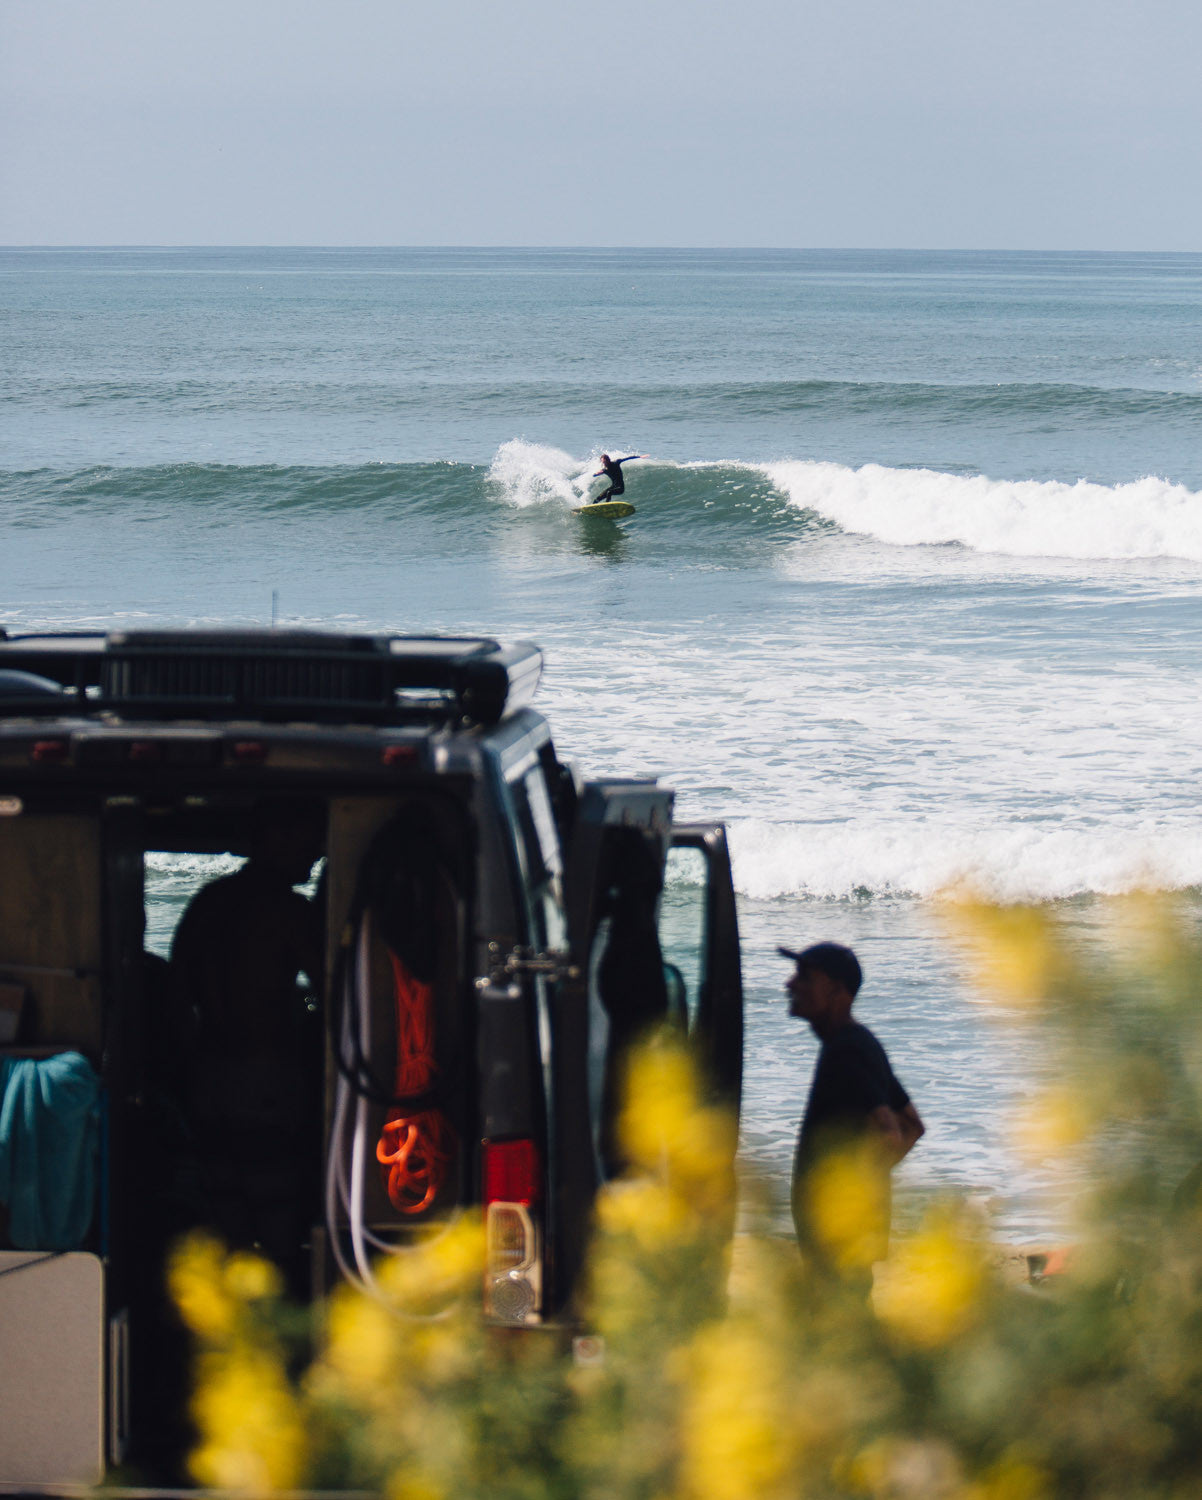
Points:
654	934
618	845
699	930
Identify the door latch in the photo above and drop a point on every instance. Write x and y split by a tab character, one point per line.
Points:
507	968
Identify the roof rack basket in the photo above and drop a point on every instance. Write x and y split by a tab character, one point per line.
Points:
266	674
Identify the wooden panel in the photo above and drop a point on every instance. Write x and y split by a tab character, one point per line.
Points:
50	927
354	822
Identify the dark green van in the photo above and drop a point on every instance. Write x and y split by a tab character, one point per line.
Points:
428	1024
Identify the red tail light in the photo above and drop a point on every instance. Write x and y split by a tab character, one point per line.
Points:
50	752
513	1272
512	1172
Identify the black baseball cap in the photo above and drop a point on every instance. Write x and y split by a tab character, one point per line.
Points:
832	959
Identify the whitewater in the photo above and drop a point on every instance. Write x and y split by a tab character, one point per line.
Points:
910	600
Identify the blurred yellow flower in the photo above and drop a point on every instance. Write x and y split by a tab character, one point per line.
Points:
736	1427
1056	1120
198	1286
408	1486
251	1427
1015	949
669	1136
249	1278
847	1206
1011	1479
1150	928
434	1274
933	1287
650	1213
659	1106
361	1341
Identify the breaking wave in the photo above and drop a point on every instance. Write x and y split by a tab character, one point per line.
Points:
1009	862
679	503
1018	518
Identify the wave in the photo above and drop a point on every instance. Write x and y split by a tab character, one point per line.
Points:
524	474
243	488
1145	518
1008	863
695	505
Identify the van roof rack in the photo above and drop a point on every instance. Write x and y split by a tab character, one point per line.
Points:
266	674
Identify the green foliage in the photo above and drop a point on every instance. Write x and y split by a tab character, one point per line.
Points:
734	1370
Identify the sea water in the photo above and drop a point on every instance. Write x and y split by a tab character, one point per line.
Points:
911	598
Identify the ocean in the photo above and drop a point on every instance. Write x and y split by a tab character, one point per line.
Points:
911	597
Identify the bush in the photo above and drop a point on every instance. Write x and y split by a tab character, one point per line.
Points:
730	1368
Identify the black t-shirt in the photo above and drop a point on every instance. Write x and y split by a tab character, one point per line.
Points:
852	1078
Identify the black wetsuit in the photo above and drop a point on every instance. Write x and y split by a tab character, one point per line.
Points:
613	472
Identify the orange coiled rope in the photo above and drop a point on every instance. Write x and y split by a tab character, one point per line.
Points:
414	1150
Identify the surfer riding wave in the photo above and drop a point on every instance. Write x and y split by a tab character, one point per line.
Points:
612	469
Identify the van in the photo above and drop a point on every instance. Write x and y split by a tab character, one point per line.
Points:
408	1001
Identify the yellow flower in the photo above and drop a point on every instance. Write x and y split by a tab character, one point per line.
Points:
252	1432
736	1428
405	1486
933	1287
660	1106
362	1341
1011	1479
457	1255
649	1213
1057	1120
199	1289
847	1204
1015	948
436	1274
1151	927
250	1278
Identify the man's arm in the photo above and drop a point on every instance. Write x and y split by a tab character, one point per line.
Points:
900	1130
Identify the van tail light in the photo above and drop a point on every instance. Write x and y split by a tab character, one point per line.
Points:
50	752
513	1271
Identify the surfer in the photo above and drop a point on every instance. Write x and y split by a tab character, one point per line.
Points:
612	469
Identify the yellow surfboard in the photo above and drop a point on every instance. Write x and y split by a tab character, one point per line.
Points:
606	510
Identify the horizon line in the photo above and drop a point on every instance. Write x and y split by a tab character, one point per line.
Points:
595	249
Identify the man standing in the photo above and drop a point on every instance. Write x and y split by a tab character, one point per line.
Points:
253	1065
858	1123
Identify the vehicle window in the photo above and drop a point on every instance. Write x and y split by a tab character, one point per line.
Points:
540	843
537	823
171	882
173	879
682	920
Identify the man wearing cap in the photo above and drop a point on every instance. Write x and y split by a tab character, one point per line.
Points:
858	1123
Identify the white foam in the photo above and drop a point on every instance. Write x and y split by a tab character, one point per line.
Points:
1007	862
528	474
1019	518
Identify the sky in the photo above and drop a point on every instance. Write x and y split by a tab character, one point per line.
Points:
1024	124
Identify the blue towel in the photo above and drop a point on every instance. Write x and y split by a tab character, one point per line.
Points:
49	1135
